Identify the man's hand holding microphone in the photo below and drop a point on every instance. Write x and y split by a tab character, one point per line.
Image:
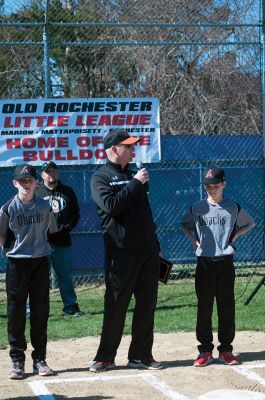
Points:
142	175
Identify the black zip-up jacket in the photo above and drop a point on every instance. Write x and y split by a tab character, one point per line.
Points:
123	207
66	210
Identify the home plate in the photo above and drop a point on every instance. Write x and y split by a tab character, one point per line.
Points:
232	395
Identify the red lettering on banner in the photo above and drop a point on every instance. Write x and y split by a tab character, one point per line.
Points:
105	120
63	142
69	155
132	119
13	143
145	141
100	154
63	120
86	154
25	122
7	123
90	120
79	121
145	119
43	142
50	122
83	141
118	120
49	156
31	156
57	155
40	121
29	143
16	124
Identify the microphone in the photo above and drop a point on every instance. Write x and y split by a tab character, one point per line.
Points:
139	165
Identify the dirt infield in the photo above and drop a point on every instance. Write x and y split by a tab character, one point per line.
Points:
179	380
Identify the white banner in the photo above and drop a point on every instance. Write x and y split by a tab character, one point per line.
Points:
71	131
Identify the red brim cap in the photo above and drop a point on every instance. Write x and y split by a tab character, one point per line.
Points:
130	140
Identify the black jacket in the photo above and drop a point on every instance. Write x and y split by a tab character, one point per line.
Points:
123	207
66	210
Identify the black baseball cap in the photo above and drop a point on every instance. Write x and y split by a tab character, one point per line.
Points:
213	176
24	171
118	136
47	165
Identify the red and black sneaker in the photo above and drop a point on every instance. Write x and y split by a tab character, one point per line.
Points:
228	358
204	359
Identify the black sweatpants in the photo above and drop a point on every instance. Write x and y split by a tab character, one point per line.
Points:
27	277
128	273
215	279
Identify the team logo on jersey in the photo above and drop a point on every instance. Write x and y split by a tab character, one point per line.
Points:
29	219
214	220
57	203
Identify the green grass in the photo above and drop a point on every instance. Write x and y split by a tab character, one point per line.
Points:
176	311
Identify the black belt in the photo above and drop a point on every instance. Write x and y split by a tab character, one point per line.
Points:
216	258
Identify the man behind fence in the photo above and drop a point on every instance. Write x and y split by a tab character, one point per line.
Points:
131	254
66	210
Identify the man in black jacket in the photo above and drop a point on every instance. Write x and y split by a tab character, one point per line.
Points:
66	210
131	254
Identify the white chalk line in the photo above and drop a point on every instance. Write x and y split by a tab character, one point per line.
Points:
253	376
39	388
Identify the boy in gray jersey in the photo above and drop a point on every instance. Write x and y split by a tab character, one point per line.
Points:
212	225
24	222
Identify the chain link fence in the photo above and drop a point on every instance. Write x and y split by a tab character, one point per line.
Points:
203	59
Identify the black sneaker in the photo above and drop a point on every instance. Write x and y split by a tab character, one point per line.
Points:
41	368
145	364
101	366
73	311
17	371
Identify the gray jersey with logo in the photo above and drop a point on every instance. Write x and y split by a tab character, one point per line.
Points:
25	226
214	226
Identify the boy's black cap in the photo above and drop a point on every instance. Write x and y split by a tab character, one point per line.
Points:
47	165
213	175
24	171
118	136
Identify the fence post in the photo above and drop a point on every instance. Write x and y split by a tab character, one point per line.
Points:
46	52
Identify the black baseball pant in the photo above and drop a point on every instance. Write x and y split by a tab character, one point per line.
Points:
215	279
27	277
128	273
